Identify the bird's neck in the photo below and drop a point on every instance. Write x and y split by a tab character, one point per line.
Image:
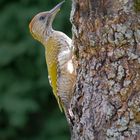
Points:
47	35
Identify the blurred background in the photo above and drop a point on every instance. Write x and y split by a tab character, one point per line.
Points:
28	109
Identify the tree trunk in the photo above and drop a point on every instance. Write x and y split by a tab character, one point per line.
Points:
106	101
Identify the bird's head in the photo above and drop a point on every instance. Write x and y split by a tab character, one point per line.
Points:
41	25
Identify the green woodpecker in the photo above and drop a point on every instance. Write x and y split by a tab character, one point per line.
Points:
58	53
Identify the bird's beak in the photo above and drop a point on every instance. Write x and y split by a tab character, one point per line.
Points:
56	9
53	12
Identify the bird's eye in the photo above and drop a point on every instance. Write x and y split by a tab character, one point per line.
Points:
42	18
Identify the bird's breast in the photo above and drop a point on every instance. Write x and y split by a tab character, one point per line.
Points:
51	54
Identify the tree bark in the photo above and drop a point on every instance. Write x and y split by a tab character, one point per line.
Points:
106	101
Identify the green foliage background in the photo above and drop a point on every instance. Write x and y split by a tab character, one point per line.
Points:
28	109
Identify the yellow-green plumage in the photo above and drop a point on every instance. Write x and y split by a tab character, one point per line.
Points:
51	52
58	55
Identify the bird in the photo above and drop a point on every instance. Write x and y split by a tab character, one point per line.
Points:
59	55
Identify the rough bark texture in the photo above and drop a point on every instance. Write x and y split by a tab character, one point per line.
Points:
106	102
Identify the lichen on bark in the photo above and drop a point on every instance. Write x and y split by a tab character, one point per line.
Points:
137	5
106	102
